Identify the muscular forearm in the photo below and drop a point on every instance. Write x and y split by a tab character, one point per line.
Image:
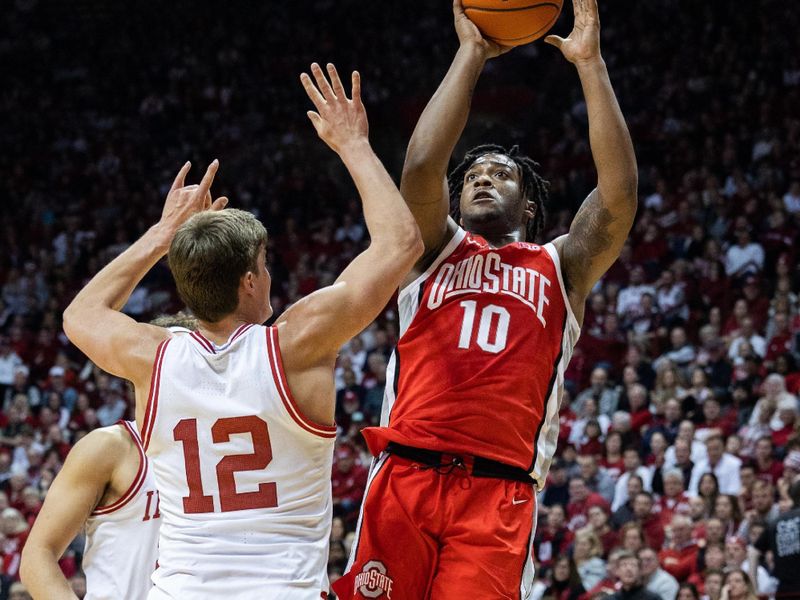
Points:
113	285
387	218
445	116
612	148
42	576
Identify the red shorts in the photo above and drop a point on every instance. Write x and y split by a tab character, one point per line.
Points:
427	534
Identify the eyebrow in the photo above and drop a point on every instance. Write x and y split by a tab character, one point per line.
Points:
491	163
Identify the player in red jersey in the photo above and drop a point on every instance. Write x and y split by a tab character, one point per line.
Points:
488	321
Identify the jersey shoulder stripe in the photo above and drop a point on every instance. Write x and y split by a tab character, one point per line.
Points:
152	398
279	376
138	480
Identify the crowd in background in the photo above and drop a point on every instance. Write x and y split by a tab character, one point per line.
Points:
678	429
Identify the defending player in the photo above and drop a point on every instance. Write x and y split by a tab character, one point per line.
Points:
107	488
489	319
238	423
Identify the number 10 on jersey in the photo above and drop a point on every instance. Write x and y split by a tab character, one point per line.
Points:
489	314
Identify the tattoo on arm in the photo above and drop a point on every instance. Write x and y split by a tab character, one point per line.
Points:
589	236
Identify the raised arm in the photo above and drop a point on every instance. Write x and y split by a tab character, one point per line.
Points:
75	493
93	321
603	222
424	181
313	330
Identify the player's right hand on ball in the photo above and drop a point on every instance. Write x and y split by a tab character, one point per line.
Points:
468	33
339	121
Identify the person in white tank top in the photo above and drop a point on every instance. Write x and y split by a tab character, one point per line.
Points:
105	487
238	422
107	477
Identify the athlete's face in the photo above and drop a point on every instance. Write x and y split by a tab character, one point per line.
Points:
492	195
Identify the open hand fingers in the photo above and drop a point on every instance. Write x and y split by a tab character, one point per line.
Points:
312	91
356	82
180	178
208	179
338	89
219	203
322	82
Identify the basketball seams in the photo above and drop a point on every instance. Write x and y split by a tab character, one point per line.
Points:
495	22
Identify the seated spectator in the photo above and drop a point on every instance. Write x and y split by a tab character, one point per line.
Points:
599	523
630	577
590	443
714	422
633	466
747	475
656	579
639	407
556	492
724	466
587	551
612	460
581	498
632	537
678	456
624	513
745	257
565	581
679	556
687	591
349	481
682	352
712	585
648	518
629	299
713	562
671	300
609	584
764	508
747	335
669	423
554	539
736	558
668	384
766	467
605	397
596	478
708	490
787	414
726	509
674	500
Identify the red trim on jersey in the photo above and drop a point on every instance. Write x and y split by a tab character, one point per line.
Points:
200	339
137	482
275	362
152	398
239	332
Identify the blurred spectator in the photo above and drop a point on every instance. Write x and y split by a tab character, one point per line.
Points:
587	551
655	579
724	466
605	397
629	572
633	466
349	480
565	581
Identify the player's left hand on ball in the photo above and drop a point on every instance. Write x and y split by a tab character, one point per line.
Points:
338	120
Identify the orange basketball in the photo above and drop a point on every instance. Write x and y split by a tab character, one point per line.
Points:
513	22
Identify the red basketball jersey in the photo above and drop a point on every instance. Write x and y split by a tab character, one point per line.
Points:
485	336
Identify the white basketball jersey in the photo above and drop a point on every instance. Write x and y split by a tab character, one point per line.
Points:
244	476
122	538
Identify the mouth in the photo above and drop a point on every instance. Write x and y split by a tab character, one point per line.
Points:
483	196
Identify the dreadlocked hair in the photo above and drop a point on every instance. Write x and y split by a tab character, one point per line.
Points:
534	186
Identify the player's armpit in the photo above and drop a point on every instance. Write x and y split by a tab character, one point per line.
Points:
75	492
595	240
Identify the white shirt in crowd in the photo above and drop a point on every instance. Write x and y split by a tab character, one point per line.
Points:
727	472
621	489
737	257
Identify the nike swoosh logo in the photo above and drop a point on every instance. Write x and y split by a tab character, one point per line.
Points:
515	501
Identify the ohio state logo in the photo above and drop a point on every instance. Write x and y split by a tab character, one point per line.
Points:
373	581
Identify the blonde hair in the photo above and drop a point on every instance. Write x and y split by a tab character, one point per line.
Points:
588	534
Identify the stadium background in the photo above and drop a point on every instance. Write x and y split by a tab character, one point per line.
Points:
101	102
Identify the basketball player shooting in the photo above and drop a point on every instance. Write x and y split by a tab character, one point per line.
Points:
489	318
238	422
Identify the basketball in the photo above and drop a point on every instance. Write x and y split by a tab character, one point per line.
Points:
513	22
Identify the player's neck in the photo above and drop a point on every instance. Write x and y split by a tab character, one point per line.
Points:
497	236
221	331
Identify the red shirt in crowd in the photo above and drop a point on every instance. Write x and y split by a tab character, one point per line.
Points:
679	562
576	511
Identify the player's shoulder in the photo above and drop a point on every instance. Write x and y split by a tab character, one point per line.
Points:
104	445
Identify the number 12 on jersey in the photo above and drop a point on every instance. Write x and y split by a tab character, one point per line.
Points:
229	499
488	314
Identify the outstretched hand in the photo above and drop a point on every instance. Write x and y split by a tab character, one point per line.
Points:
339	121
183	201
468	33
583	43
